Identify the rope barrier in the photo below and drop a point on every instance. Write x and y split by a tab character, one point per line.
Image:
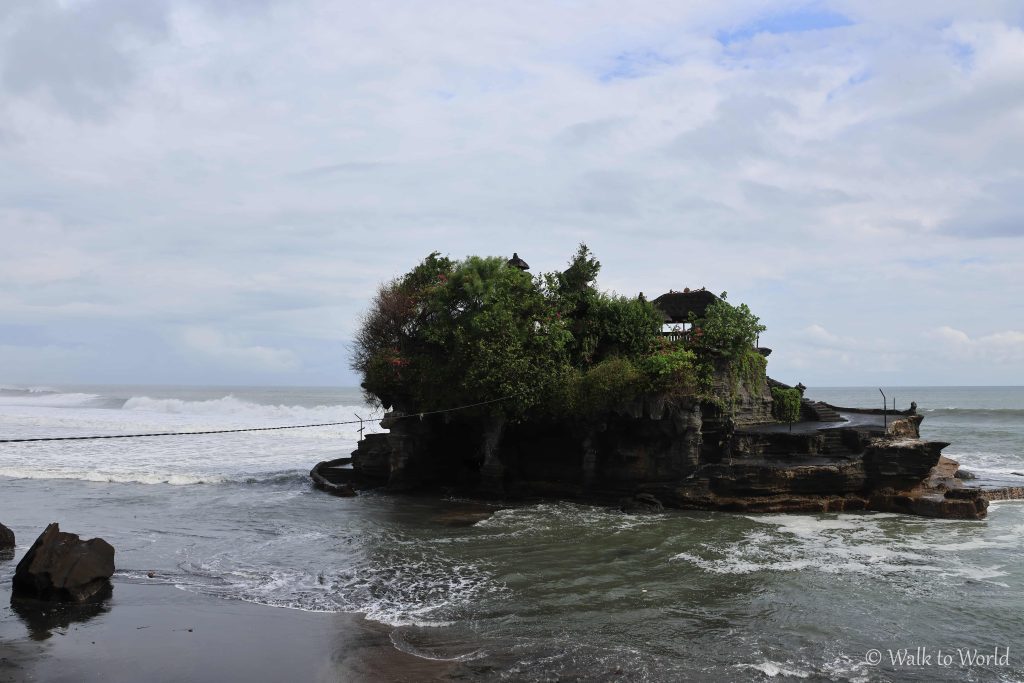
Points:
249	429
135	436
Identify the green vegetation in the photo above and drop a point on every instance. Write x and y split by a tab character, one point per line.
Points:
786	405
728	330
674	367
607	384
453	333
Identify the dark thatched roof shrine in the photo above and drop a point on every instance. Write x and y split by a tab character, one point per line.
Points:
517	262
676	307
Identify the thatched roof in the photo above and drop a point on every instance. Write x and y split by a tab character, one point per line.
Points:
517	262
676	307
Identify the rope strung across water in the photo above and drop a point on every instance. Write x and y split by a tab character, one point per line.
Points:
136	436
249	429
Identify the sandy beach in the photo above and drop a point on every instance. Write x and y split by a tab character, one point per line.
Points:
159	633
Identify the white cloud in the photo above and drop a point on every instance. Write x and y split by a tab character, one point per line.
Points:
78	55
256	168
819	335
1006	347
229	349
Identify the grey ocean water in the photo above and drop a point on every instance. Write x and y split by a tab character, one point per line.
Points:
537	591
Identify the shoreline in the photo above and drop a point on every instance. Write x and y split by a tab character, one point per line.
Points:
156	632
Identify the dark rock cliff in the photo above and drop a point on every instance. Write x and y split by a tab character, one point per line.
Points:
683	454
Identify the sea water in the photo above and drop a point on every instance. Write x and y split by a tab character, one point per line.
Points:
536	591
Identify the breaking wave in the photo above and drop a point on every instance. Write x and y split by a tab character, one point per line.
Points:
292	477
230	406
41	414
48	399
976	413
10	389
227	406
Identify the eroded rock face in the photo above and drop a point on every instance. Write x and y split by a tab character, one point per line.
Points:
819	476
62	567
641	502
906	427
6	538
900	464
683	454
372	460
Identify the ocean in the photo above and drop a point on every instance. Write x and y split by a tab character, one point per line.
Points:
537	591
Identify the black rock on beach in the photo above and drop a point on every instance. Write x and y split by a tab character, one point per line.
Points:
6	538
62	567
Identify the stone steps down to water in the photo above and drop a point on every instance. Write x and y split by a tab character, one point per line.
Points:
818	411
334	477
834	443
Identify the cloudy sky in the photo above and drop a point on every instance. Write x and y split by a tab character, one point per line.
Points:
209	191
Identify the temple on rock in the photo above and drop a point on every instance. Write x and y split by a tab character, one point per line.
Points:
735	440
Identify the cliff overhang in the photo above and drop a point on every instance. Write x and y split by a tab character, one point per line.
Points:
680	454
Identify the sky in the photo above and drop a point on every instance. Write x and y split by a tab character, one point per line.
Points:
210	191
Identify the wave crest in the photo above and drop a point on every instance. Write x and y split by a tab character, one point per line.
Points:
290	477
230	406
997	413
47	399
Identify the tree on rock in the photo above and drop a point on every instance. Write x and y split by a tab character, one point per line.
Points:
483	331
457	333
786	405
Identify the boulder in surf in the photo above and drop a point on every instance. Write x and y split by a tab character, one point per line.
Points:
62	567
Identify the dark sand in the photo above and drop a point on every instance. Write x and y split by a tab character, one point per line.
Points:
152	632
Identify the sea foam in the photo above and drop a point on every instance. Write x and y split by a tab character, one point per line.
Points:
844	545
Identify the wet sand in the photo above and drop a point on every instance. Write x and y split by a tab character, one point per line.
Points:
152	632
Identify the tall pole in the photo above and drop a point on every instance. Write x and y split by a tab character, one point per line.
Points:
885	409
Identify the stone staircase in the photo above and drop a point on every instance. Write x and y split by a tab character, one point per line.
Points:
339	473
834	443
816	411
334	477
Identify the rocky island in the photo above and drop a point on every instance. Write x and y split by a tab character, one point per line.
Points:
499	383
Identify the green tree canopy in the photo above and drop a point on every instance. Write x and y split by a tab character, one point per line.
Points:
453	333
726	329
